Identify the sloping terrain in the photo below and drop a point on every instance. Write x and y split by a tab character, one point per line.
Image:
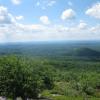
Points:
84	52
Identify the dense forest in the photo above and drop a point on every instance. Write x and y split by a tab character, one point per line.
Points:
55	71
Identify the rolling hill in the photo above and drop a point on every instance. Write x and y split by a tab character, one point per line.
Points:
84	52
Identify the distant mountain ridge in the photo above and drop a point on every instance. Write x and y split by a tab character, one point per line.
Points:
85	52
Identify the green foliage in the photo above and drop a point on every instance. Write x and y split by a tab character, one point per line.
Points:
27	77
19	79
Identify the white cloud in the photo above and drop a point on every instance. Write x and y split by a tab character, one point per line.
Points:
2	37
13	31
94	11
5	16
37	32
82	25
45	20
95	29
16	2
43	4
67	14
51	3
19	17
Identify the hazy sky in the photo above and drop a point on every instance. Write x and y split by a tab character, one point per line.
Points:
43	20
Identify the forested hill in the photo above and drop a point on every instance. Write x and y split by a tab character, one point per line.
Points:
85	52
57	71
52	49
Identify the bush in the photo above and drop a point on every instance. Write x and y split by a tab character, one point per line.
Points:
18	78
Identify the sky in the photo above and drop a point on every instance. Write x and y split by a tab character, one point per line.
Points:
49	20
